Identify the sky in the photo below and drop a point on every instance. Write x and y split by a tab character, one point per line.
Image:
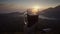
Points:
24	4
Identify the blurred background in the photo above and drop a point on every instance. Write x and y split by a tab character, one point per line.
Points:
12	16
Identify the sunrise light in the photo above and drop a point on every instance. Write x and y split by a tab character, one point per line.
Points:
35	10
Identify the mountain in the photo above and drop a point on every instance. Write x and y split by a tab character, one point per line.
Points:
50	18
51	12
11	22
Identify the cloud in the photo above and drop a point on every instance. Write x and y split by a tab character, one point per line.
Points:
6	8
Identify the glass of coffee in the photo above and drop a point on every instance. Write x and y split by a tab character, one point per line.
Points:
31	17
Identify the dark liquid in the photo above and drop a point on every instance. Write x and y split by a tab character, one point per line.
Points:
32	19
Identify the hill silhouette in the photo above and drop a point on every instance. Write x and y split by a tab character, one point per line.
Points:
11	22
51	12
50	19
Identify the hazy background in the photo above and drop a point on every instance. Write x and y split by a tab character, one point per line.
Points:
12	14
7	6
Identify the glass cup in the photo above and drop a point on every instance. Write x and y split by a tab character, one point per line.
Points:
31	17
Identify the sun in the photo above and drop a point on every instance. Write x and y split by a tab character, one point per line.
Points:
35	9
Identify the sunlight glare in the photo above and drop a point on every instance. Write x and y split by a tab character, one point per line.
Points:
35	9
